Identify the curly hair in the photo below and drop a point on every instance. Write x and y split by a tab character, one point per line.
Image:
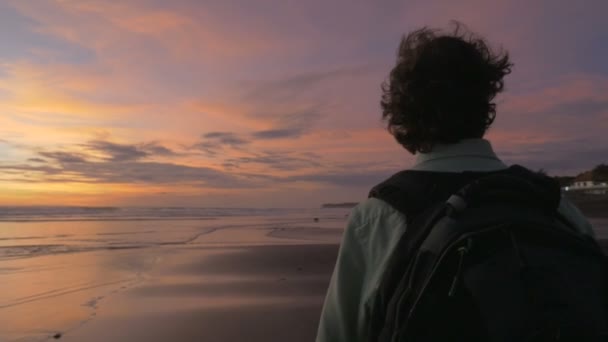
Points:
442	87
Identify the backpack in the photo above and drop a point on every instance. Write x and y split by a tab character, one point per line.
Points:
486	257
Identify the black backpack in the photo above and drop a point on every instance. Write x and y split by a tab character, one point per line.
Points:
486	257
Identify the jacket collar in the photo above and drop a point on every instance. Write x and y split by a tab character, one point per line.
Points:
466	155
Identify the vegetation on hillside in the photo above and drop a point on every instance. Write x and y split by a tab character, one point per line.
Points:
598	173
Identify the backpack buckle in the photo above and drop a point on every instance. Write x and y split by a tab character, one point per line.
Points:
456	204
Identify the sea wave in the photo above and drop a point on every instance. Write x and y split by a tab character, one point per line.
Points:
48	213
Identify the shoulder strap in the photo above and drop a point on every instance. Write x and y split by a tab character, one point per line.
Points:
414	192
407	191
515	185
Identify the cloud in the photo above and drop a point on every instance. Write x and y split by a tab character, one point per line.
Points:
75	170
571	93
305	81
168	29
117	152
225	138
154	173
286	161
290	125
104	162
364	178
587	109
560	127
278	133
64	157
29	172
127	152
153	148
562	157
311	96
213	142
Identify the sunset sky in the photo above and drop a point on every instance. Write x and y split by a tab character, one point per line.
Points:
255	103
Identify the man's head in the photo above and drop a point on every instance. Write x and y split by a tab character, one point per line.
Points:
441	89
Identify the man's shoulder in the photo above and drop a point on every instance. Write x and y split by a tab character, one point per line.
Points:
373	210
371	206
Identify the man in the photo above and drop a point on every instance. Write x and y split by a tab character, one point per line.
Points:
438	104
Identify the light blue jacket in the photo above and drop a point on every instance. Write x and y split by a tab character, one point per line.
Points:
374	228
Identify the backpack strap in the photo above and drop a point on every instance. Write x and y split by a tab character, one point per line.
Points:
515	185
409	192
414	194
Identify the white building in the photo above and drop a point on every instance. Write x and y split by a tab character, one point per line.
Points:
589	184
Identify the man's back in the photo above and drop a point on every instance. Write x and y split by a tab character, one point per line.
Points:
375	227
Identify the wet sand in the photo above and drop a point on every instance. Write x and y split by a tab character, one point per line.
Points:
256	293
595	206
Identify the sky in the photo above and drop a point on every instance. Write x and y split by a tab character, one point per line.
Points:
239	103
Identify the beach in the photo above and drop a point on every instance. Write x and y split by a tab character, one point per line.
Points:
595	206
254	278
251	277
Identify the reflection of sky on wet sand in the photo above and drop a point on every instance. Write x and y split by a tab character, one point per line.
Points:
46	293
59	276
261	292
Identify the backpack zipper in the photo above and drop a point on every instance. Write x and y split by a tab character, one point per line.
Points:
434	270
462	251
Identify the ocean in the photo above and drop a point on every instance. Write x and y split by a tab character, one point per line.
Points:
32	231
